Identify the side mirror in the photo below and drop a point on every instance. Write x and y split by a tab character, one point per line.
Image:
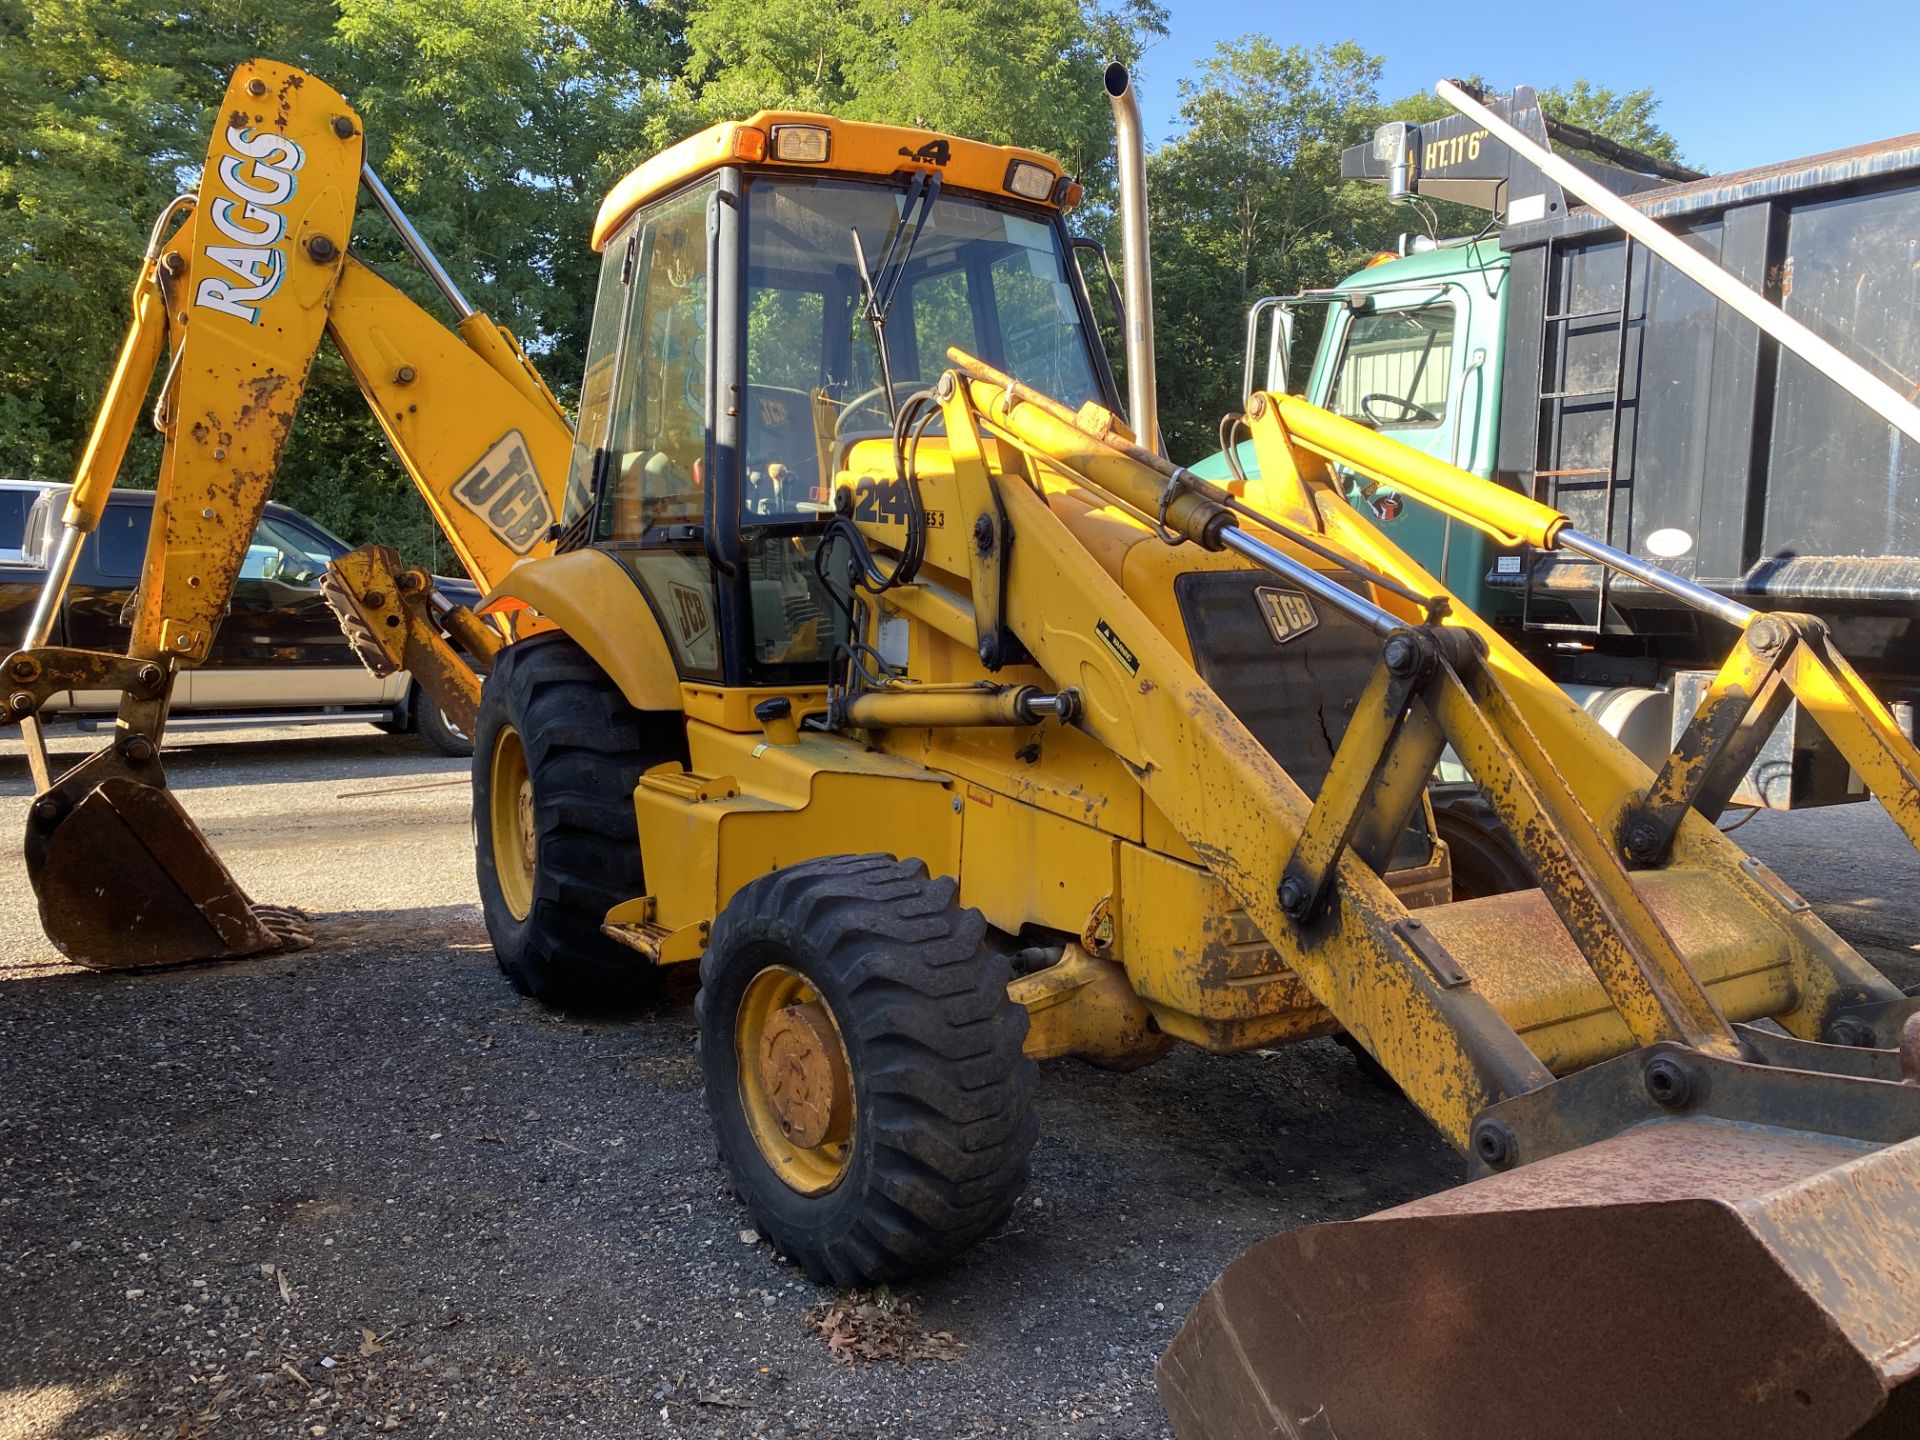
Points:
1280	354
1279	344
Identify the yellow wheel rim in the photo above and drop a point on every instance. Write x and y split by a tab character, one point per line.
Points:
796	1082
510	818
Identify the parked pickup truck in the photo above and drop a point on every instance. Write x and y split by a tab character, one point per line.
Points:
16	500
279	657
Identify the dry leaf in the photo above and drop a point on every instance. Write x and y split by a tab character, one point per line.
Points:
369	1344
858	1328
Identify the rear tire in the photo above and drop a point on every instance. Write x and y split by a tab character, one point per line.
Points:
1486	861
436	729
936	1095
557	753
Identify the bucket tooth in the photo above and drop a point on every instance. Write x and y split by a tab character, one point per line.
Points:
126	879
1687	1277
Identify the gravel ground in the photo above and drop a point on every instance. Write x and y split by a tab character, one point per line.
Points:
495	1220
367	1189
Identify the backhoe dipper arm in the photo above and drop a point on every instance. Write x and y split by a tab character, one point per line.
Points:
243	293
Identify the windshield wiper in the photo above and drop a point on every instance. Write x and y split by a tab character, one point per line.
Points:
883	284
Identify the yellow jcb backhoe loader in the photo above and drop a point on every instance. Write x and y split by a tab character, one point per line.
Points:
946	727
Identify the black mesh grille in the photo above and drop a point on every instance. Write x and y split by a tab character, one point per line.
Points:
1296	694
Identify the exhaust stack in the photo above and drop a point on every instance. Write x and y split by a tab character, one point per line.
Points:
1143	405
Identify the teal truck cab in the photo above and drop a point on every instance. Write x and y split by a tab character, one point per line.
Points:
1411	345
1556	356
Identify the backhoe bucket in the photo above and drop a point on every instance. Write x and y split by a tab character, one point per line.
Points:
1688	1277
125	878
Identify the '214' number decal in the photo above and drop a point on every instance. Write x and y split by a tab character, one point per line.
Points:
884	502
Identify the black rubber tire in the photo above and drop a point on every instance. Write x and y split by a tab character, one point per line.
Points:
585	748
943	1114
1486	861
1370	1068
436	729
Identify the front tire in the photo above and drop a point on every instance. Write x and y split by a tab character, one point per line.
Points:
557	753
863	1067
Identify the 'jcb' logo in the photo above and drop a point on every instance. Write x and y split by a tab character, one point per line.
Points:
504	490
689	612
1289	614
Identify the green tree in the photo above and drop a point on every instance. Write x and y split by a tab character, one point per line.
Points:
104	111
1625	116
497	123
1247	201
1007	71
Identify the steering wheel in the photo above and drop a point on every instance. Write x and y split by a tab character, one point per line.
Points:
1409	410
865	397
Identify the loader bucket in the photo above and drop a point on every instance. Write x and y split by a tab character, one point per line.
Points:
1687	1277
125	878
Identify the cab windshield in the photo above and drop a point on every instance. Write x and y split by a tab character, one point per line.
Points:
988	279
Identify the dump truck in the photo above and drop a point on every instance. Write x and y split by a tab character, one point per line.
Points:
862	653
1551	352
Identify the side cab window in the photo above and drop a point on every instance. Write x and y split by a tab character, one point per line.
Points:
652	458
1396	366
638	457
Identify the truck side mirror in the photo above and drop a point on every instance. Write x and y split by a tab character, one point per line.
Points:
1280	356
1279	344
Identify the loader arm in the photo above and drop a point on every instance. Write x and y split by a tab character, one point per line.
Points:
1673	1139
1388	975
1779	656
240	296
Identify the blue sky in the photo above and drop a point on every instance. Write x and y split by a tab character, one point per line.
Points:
1738	86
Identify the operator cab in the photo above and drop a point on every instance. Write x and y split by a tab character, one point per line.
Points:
736	358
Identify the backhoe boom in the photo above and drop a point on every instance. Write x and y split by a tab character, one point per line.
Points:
239	297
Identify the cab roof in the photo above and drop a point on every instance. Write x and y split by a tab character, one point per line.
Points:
1428	265
854	147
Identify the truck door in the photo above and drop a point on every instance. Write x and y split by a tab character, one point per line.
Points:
1401	365
640	453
